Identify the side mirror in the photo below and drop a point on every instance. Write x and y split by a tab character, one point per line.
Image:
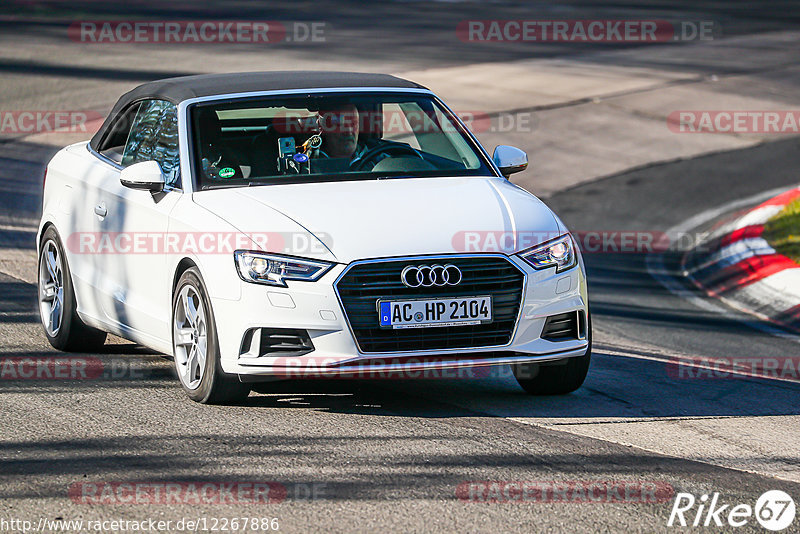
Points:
509	159
144	175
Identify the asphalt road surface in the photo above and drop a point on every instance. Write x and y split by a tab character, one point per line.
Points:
358	455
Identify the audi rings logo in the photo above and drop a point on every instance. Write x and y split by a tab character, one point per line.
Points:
430	276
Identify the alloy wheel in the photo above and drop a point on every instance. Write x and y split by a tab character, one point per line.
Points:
51	288
190	337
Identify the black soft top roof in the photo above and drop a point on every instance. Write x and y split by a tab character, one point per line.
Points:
178	89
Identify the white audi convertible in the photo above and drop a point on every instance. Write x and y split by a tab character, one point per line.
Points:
299	224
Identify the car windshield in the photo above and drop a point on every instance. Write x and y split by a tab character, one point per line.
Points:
329	137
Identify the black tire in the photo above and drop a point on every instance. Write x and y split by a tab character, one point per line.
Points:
71	335
215	386
557	378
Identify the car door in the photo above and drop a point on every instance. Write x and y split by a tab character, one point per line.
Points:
86	199
137	292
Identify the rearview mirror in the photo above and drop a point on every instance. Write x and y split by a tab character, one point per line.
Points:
509	159
144	175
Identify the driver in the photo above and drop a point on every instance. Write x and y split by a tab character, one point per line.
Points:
340	129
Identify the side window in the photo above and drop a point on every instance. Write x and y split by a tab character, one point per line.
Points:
154	137
114	144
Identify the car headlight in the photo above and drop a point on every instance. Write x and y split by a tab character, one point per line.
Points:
559	252
274	270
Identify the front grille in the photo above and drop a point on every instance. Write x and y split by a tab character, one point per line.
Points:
364	284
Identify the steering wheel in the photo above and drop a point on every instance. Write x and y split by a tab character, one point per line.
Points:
387	149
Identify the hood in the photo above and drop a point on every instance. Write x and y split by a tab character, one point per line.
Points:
346	221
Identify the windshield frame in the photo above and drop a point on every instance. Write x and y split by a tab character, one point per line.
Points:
189	156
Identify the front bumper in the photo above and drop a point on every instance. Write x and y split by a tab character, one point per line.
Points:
315	308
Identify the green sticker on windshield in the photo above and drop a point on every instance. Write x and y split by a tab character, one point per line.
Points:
226	172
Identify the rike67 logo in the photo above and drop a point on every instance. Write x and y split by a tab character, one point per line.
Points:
774	510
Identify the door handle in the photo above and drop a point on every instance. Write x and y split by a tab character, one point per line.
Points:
100	210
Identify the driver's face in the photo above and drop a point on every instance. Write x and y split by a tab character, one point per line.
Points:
340	131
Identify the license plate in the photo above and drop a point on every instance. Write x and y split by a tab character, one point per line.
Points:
421	313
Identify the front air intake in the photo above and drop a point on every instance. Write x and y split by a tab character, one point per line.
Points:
273	342
564	326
